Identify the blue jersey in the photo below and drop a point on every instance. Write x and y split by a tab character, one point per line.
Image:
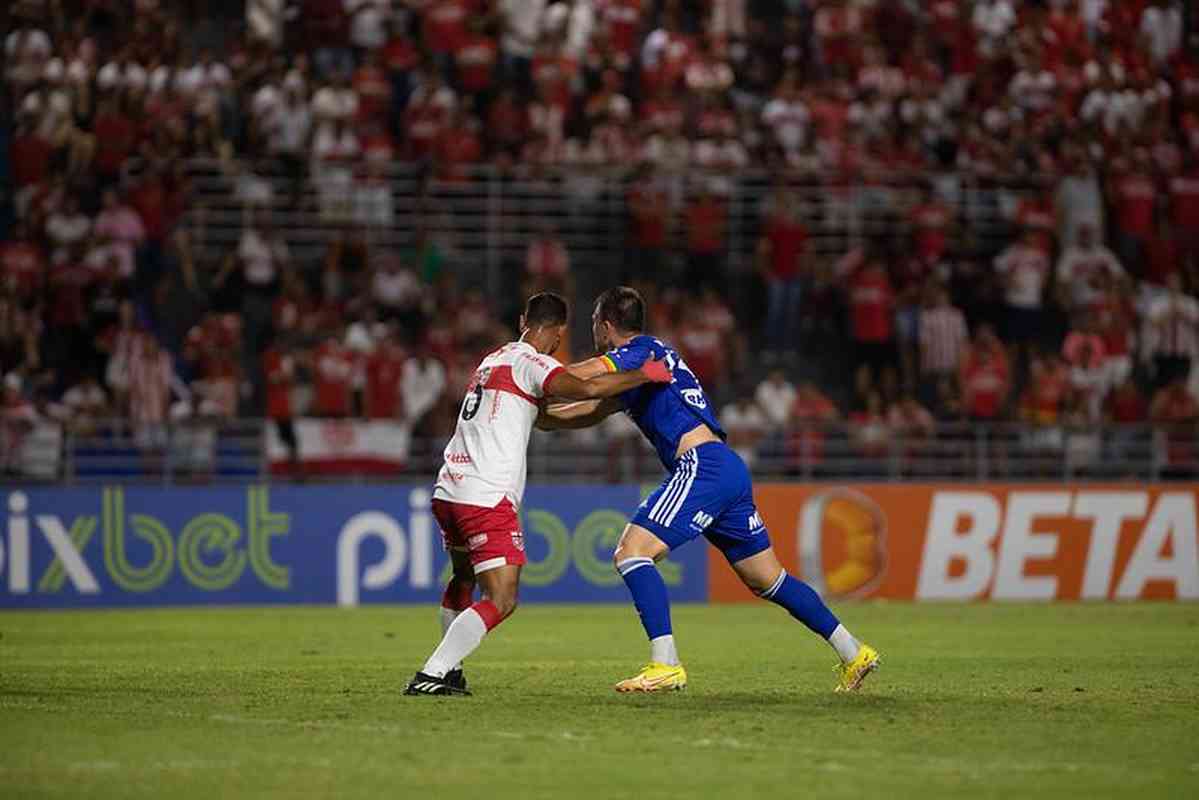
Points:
663	412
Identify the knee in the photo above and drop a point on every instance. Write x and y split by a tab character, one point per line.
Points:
764	584
505	603
627	550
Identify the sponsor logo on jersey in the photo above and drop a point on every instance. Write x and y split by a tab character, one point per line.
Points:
755	522
695	397
518	540
701	520
476	541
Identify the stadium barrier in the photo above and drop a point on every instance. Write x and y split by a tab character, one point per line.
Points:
130	545
253	544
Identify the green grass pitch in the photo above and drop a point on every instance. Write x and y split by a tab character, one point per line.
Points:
972	701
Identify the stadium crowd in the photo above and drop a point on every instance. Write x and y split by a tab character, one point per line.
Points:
1087	312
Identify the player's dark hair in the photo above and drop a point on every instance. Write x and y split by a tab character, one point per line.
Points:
544	309
624	307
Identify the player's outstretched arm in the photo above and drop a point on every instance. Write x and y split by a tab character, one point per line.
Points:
576	415
570	387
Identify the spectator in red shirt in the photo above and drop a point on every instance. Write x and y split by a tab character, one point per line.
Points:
22	264
706	222
932	224
279	371
384	377
985	377
29	156
1184	206
116	138
547	262
370	82
507	124
399	58
1133	196
871	316
812	412
475	58
1045	395
458	146
1175	410
702	347
1125	405
333	373
782	250
649	212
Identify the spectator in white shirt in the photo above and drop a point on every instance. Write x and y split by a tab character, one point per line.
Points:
289	129
1162	29
1080	267
368	22
423	383
522	24
993	20
787	116
1170	337
66	227
943	338
1023	269
776	397
746	425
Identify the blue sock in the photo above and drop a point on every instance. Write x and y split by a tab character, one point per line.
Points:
649	594
803	603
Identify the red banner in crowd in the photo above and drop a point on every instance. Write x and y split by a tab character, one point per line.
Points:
342	447
978	542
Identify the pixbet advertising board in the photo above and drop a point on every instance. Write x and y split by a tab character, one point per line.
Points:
144	546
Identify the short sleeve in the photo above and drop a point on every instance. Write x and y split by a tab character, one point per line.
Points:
532	372
631	356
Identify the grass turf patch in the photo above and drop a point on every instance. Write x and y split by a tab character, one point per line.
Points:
989	700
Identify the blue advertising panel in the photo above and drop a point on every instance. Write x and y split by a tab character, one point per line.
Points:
254	544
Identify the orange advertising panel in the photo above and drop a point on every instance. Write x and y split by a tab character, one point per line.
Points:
978	542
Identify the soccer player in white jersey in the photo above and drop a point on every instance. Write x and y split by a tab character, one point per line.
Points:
480	486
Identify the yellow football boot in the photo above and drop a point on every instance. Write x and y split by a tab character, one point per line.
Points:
655	677
851	675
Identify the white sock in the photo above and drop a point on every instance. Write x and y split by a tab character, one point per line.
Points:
461	638
662	650
845	645
448	615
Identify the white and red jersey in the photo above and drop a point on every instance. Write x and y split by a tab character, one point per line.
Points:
486	460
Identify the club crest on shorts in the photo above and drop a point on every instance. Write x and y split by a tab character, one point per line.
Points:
476	541
518	540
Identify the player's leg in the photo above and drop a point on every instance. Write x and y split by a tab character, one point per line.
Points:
634	559
660	525
496	554
764	575
466	633
457	597
739	533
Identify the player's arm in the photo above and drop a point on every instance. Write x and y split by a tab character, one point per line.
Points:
600	365
578	415
567	385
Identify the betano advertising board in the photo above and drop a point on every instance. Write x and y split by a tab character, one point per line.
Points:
981	542
144	546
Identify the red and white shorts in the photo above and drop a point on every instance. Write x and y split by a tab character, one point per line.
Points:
491	536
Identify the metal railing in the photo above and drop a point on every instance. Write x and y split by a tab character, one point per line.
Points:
488	216
206	451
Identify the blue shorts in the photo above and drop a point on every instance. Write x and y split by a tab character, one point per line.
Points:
709	494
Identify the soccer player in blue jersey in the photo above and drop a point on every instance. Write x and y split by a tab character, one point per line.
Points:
707	492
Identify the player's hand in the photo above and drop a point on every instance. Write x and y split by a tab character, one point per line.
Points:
656	371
